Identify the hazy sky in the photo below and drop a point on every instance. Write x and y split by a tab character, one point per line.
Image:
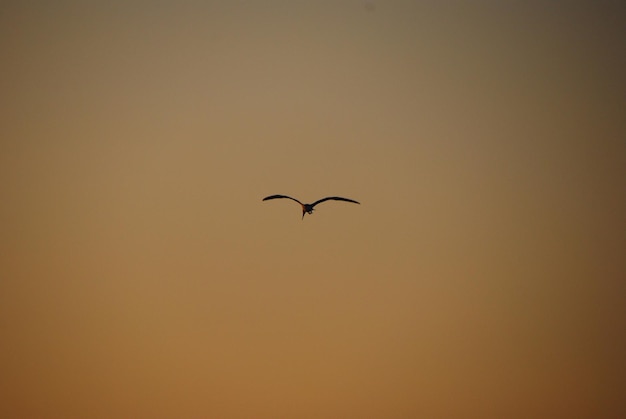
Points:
482	276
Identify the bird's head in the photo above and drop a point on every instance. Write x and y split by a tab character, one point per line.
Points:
307	208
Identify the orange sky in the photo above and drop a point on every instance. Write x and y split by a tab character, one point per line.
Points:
482	275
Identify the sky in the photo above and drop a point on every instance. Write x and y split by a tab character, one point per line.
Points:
482	275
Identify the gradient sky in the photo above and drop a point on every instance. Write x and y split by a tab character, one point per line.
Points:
482	276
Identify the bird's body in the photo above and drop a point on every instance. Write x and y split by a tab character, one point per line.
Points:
308	208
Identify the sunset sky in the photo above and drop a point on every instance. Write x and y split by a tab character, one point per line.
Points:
482	276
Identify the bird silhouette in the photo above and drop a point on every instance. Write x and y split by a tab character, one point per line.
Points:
308	208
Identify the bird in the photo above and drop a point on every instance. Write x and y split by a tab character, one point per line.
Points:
308	208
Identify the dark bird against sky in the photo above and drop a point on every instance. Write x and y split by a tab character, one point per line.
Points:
308	208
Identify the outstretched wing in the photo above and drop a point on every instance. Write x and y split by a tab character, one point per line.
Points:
334	198
267	198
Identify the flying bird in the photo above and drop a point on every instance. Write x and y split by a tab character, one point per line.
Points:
308	208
